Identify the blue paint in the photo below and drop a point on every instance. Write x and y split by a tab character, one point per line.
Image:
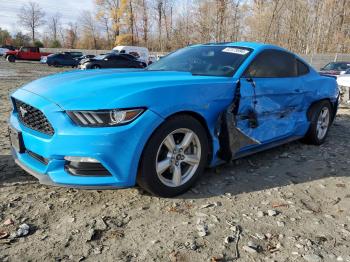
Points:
281	110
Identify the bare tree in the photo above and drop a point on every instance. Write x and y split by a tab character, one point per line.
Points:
54	25
159	8
31	17
145	22
71	35
89	28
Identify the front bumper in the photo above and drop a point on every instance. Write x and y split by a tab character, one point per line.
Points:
118	149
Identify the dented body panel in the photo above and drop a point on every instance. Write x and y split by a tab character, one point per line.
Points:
241	115
271	111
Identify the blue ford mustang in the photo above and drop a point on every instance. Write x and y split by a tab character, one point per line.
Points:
161	126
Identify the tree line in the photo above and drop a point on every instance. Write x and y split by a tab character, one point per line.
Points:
303	26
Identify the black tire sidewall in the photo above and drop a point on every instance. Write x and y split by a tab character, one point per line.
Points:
11	59
148	178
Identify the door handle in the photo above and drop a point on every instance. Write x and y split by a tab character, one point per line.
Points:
297	90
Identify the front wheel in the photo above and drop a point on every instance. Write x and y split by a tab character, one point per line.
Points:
11	58
96	67
174	157
321	119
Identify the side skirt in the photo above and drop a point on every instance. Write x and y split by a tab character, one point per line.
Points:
257	149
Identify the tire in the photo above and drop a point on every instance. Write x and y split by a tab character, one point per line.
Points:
11	58
95	67
164	183
319	125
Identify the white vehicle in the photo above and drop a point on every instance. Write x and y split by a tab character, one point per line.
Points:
141	53
3	51
344	85
43	59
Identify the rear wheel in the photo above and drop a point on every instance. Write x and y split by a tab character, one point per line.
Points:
11	58
321	119
174	157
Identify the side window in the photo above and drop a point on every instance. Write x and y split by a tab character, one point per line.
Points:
273	63
135	54
121	58
112	58
25	49
302	68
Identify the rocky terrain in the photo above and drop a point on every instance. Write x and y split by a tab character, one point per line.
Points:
290	203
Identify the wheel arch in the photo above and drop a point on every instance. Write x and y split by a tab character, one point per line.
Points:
193	114
204	124
313	106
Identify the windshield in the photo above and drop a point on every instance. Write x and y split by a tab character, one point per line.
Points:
337	66
101	57
203	60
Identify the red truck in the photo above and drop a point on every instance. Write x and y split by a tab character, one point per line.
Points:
25	53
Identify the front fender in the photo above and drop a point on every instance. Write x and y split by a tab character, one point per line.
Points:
208	102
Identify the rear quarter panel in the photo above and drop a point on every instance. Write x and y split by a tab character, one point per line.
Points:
321	87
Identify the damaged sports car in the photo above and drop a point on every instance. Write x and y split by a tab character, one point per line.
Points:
159	127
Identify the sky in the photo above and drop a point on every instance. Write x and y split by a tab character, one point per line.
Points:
70	10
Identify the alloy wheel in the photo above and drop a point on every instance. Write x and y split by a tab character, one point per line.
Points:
323	123
178	157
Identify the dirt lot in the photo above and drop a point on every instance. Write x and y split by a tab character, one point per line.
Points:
291	203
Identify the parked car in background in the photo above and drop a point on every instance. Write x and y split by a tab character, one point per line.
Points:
335	68
141	53
160	127
80	58
3	51
25	53
344	85
6	48
43	59
9	47
64	59
152	59
112	60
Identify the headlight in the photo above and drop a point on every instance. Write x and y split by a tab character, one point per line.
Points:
105	118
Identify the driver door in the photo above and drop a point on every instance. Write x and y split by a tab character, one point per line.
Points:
269	104
24	53
271	97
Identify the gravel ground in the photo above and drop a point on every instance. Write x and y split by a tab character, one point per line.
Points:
290	203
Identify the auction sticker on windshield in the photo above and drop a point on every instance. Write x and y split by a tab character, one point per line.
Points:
237	51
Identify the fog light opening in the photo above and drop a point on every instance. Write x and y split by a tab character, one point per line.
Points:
85	166
81	159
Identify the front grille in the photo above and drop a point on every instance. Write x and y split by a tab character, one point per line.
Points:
33	118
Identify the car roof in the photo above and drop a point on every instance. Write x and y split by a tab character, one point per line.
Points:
256	46
252	45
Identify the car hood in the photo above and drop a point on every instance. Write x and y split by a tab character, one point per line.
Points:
116	88
10	52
